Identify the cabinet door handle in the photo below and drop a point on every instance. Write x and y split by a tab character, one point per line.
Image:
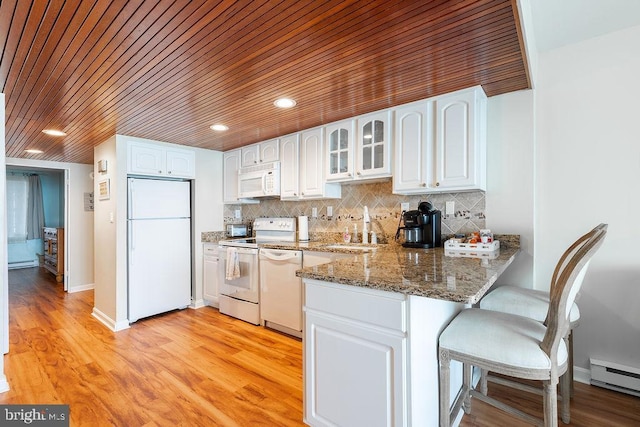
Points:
358	173
169	172
437	184
349	174
424	184
302	193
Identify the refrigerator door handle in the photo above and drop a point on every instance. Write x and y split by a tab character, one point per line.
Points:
131	198
132	245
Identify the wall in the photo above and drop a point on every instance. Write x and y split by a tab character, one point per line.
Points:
207	210
588	165
104	300
510	177
53	197
79	223
384	210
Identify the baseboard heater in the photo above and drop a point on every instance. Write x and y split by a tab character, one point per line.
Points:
616	377
22	264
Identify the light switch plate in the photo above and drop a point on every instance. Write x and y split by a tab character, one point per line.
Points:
329	210
450	208
238	214
404	206
314	212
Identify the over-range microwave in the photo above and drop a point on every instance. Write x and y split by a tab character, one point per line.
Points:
259	181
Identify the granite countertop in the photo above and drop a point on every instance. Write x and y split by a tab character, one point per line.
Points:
432	273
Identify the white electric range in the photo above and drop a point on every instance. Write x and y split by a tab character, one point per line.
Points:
240	287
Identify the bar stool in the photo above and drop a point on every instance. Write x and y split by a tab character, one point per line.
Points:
533	304
517	346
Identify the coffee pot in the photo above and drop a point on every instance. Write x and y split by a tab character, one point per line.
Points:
421	227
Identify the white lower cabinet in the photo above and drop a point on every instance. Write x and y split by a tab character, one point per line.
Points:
371	357
355	358
211	273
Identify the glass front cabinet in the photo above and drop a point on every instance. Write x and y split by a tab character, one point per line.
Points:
359	148
340	150
374	145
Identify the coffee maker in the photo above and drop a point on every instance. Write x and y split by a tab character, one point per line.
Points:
421	227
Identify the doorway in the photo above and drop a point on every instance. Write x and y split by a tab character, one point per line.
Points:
35	200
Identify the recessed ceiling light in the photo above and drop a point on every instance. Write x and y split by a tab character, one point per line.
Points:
219	127
284	103
33	151
54	132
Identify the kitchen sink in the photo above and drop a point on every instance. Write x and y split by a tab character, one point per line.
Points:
350	247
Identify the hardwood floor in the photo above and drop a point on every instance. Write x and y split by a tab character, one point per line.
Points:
190	367
193	368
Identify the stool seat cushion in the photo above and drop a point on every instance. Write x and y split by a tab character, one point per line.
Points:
500	338
530	303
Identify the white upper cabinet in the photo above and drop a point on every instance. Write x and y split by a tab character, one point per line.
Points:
460	144
312	181
159	160
262	152
231	165
290	167
440	144
373	145
413	143
301	172
340	141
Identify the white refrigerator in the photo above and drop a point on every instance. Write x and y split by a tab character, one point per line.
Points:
159	246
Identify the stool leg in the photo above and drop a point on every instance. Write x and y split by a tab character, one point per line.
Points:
570	367
466	387
550	403
444	388
565	392
484	389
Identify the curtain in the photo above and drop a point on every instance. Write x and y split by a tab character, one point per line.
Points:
17	195
35	209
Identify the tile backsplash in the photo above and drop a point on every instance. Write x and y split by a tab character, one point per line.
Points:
384	210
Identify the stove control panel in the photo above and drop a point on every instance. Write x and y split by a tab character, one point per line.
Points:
274	224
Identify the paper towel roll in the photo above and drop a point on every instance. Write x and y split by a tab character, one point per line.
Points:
303	228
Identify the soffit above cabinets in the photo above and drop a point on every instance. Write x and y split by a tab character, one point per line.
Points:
168	70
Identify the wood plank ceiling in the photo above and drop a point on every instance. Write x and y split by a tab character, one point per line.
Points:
167	70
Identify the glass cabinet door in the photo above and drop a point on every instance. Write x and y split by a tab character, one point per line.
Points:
374	145
339	141
339	151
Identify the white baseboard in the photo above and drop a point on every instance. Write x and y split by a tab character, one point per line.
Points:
81	288
582	375
197	304
109	322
